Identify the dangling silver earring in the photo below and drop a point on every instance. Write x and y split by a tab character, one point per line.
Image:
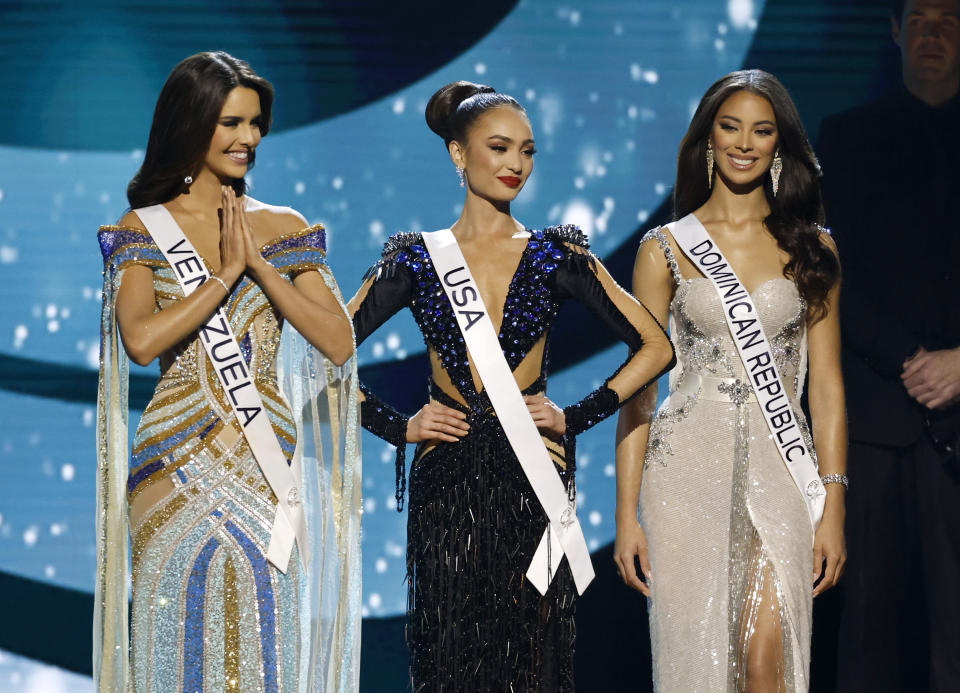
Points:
776	168
188	180
460	175
709	165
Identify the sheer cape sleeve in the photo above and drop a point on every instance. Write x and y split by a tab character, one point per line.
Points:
121	248
325	402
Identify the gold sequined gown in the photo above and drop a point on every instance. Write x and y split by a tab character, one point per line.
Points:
209	612
728	530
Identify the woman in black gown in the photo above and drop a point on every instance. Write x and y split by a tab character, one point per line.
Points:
475	622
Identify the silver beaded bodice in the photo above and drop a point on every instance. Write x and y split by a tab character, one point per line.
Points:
703	340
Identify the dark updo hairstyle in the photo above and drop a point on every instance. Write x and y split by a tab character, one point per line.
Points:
184	121
796	212
455	107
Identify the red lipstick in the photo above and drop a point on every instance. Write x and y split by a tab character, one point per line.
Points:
510	181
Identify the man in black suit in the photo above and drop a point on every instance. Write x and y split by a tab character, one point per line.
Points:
892	195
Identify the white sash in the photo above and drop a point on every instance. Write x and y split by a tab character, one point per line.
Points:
224	353
757	358
563	535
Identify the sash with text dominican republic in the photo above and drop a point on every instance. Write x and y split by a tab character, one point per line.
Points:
756	355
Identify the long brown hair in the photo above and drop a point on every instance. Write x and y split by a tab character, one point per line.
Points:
184	122
796	211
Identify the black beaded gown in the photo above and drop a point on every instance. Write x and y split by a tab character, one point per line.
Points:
474	621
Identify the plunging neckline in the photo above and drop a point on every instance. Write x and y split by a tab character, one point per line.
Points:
510	285
511	288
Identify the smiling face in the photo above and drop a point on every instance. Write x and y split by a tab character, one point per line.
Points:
744	138
237	135
929	38
497	157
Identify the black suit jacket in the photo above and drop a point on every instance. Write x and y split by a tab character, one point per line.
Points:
891	186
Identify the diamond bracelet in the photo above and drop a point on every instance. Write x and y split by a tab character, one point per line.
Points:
222	283
836	479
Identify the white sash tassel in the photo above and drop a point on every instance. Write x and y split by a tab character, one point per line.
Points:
564	535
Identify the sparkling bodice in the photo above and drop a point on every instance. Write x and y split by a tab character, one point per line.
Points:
702	338
187	373
255	322
531	305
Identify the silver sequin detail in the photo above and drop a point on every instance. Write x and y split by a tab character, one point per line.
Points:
728	531
738	391
658	443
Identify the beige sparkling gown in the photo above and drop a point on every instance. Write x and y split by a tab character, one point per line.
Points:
728	530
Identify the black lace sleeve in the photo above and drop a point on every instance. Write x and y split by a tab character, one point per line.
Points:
389	284
577	277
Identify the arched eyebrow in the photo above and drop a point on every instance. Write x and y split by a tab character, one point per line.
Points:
759	122
239	117
509	140
920	14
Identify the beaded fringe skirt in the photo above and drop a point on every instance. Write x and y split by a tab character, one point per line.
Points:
474	622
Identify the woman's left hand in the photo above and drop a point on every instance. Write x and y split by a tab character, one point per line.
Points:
548	417
829	547
254	260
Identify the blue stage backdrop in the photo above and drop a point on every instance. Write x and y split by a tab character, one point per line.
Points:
609	87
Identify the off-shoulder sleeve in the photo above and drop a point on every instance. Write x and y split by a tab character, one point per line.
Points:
298	252
122	246
581	276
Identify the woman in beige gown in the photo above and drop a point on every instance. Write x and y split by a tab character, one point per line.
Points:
724	541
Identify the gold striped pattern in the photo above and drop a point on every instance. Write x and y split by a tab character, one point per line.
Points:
231	622
154	523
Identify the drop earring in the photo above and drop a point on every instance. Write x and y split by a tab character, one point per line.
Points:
460	175
709	165
776	168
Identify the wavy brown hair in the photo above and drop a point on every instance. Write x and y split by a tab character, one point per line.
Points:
796	212
184	121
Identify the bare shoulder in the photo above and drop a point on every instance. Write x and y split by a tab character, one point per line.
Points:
274	221
656	249
130	220
579	249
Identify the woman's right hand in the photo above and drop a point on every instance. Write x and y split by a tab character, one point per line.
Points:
632	541
436	421
233	258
